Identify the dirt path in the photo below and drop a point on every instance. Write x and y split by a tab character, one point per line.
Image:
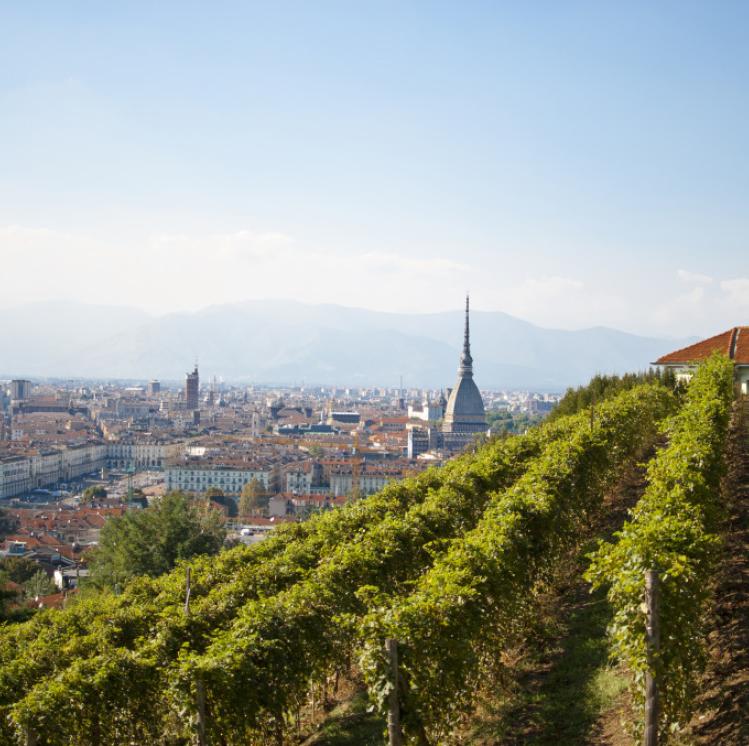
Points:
564	692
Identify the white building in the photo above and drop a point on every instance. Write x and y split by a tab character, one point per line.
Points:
199	477
146	454
48	467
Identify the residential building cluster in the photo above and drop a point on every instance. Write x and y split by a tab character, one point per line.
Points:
306	448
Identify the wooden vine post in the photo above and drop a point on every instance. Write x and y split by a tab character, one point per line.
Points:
395	737
199	689
652	631
187	591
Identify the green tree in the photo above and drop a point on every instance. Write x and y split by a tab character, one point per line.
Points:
153	540
38	584
93	492
316	450
6	596
15	570
217	495
253	497
18	569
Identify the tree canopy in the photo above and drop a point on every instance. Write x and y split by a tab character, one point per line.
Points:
8	523
153	540
604	387
90	493
253	497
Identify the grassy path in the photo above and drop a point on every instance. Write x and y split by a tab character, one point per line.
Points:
565	692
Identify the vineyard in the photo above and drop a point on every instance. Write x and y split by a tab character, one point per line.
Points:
451	565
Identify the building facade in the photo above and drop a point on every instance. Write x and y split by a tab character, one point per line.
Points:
48	467
199	477
192	389
141	454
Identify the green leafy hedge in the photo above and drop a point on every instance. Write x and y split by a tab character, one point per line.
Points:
119	669
674	529
474	599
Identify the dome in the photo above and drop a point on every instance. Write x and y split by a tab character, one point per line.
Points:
465	400
465	408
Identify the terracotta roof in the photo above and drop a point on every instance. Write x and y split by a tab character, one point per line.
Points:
733	343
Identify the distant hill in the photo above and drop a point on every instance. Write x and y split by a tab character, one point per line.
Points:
289	342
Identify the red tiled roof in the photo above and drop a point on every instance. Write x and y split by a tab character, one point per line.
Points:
733	343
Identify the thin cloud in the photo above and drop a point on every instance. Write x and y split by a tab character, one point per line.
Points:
395	262
694	278
736	292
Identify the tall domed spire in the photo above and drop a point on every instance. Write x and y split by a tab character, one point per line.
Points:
466	361
465	407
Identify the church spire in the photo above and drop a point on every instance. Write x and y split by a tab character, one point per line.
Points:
466	361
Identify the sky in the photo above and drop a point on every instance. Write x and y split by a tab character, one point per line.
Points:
575	164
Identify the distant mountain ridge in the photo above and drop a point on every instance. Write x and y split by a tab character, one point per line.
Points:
289	342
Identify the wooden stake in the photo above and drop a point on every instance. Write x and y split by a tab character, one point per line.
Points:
187	590
652	704
395	737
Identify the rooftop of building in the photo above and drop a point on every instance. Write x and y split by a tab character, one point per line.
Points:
733	343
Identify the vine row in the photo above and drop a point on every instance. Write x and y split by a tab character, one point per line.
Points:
97	671
476	598
674	530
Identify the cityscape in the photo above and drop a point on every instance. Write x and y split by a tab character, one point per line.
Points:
374	373
308	449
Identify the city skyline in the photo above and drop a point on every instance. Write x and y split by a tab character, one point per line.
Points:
572	166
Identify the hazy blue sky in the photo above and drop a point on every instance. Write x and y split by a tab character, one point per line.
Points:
572	163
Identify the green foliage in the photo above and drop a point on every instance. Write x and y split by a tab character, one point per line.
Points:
151	650
602	387
18	569
253	497
39	584
94	492
511	423
261	667
476	598
146	623
267	622
227	502
153	540
316	451
674	529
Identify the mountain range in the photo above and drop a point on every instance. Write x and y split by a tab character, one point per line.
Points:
288	342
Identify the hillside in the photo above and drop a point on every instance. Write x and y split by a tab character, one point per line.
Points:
474	569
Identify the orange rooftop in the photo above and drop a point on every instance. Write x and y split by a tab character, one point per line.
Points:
733	343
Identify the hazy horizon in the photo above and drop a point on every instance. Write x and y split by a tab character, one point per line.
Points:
320	304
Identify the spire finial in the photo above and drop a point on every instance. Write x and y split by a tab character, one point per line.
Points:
466	361
467	334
